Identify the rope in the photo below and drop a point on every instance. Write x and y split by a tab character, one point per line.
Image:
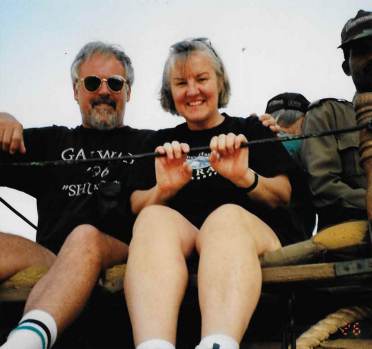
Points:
367	125
324	328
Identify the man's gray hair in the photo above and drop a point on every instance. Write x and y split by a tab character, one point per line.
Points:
286	117
181	50
99	47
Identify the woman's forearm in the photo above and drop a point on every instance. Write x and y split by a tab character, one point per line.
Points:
142	198
274	192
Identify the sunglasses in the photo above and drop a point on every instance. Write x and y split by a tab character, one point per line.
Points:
207	43
115	83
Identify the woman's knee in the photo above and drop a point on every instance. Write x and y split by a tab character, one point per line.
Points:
272	243
159	226
156	214
231	221
226	217
155	221
225	225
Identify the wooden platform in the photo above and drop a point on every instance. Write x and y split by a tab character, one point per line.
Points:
19	286
288	285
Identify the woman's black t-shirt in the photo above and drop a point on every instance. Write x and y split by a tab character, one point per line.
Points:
208	190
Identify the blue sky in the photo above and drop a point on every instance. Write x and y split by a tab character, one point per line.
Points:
268	47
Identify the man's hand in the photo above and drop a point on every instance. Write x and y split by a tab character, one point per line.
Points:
11	134
268	121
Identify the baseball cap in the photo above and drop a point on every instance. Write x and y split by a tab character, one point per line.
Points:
357	28
287	100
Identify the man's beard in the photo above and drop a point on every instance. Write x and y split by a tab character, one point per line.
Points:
103	114
362	77
103	119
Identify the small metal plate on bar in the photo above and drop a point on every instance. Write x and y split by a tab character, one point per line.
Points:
358	266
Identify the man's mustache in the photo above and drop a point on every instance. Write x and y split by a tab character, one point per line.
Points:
104	100
368	68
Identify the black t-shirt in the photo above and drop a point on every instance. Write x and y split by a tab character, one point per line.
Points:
67	195
208	190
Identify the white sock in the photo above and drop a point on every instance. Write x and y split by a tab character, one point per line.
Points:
156	343
218	341
36	330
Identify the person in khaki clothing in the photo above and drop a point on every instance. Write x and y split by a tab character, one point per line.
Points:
288	109
336	179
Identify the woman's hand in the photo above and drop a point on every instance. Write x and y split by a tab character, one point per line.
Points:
172	173
172	170
230	160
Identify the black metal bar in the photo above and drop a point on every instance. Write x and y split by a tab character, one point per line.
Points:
20	215
192	150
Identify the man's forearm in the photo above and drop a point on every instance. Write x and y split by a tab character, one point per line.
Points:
11	134
6	116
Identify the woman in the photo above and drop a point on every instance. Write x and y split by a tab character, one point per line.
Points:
210	203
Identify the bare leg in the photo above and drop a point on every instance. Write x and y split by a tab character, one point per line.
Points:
156	275
64	290
18	253
229	277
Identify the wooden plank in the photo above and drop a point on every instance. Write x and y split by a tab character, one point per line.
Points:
19	286
298	273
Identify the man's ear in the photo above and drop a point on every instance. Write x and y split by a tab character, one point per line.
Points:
128	91
346	68
76	93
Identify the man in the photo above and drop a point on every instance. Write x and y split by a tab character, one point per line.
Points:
72	217
288	110
337	180
335	167
357	46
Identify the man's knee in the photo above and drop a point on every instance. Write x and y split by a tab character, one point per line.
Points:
85	238
22	248
19	253
88	243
